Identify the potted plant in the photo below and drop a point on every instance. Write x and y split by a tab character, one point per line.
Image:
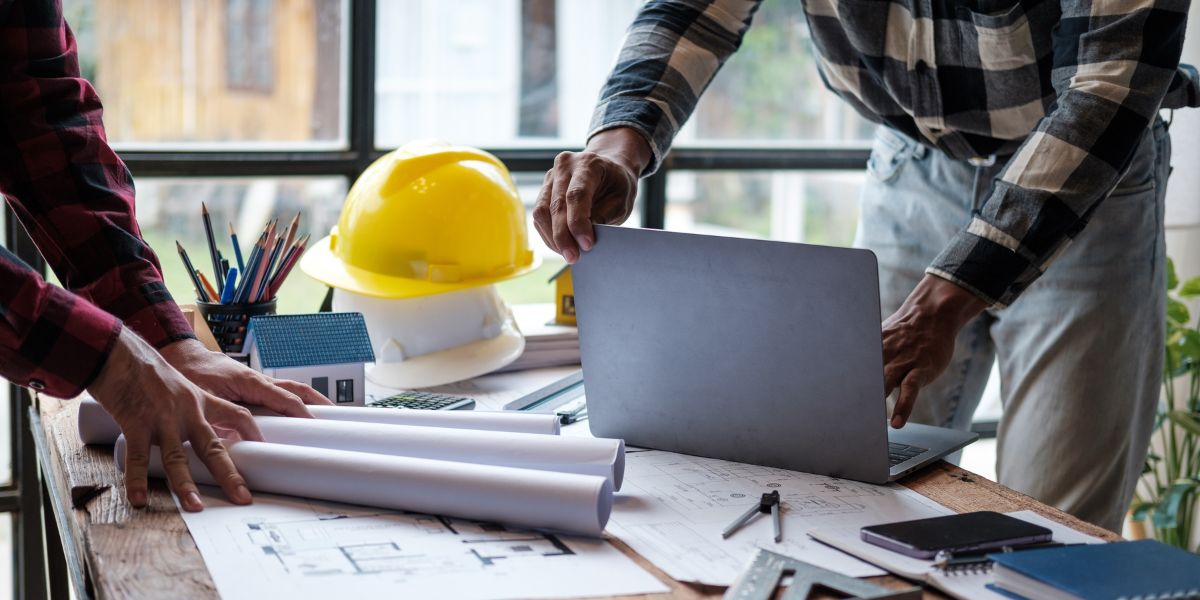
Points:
1169	492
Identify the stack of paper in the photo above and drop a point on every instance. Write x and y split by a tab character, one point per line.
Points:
523	479
546	344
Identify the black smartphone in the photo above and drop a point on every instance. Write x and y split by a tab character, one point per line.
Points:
966	532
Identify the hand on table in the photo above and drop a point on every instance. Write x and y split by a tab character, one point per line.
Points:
156	405
597	185
229	379
918	339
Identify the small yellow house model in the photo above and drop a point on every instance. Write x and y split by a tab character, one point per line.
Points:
564	297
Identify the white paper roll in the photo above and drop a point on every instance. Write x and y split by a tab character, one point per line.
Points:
97	427
566	502
585	455
516	422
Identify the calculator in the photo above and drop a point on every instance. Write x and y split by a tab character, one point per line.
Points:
424	401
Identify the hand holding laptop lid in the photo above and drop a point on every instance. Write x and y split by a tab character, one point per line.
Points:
599	185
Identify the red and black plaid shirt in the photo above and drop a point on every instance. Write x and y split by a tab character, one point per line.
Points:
75	198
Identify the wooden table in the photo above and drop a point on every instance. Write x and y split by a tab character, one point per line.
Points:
113	551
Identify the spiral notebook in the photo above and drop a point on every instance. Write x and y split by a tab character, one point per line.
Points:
1143	569
962	583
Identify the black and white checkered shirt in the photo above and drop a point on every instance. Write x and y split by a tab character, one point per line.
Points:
1061	89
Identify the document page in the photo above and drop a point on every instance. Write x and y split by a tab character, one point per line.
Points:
673	507
286	547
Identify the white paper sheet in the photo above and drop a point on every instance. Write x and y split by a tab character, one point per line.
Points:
282	547
493	391
588	456
97	427
673	508
959	585
567	502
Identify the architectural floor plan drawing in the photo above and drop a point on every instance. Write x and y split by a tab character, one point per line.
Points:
298	549
673	507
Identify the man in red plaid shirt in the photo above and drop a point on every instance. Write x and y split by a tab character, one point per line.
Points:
114	330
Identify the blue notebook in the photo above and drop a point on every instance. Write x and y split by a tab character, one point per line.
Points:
1145	569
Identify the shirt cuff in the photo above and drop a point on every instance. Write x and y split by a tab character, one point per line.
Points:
986	268
642	116
151	312
66	347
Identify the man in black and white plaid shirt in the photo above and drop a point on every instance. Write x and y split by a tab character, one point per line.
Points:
1015	134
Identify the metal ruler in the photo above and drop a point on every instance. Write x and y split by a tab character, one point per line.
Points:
768	569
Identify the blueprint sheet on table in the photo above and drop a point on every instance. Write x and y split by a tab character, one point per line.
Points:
673	507
285	547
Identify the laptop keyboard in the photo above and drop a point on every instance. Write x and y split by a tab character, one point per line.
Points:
898	453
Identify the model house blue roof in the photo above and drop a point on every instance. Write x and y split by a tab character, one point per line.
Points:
284	341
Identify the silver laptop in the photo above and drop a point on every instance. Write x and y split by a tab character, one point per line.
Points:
752	351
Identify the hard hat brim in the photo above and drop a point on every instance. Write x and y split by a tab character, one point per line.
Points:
322	264
453	364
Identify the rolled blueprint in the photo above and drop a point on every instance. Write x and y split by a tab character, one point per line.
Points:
97	427
585	455
567	502
516	422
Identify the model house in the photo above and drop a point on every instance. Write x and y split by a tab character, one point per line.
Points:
564	297
324	350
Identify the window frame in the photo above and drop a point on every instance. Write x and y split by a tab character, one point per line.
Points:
23	497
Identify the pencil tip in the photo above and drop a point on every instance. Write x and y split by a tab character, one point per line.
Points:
204	207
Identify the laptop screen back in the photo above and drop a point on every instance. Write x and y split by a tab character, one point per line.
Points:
751	351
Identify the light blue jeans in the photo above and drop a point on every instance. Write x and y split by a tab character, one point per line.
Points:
1080	351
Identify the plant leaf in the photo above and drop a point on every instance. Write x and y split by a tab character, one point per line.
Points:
1141	510
1190	422
1191	288
1166	513
1177	312
1172	278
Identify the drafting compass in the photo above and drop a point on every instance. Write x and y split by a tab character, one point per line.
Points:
769	503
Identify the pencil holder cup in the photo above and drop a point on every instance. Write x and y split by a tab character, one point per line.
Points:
228	323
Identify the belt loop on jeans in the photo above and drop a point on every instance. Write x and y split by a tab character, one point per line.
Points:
981	161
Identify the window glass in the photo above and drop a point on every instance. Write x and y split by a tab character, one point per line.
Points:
818	207
243	73
503	73
5	437
493	72
770	90
169	210
345	391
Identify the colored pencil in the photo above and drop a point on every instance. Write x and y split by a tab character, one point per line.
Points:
187	263
291	231
237	250
212	241
269	270
208	287
242	294
293	257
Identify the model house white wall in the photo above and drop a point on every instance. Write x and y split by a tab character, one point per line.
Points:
328	377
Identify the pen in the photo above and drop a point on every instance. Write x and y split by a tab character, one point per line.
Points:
229	287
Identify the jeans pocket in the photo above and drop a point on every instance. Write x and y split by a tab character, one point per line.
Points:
889	152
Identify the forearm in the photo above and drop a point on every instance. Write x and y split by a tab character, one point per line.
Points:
1110	86
50	339
66	185
672	51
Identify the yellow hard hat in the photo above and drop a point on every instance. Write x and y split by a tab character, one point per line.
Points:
425	219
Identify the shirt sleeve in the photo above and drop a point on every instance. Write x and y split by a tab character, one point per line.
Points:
671	53
69	189
50	339
1114	62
